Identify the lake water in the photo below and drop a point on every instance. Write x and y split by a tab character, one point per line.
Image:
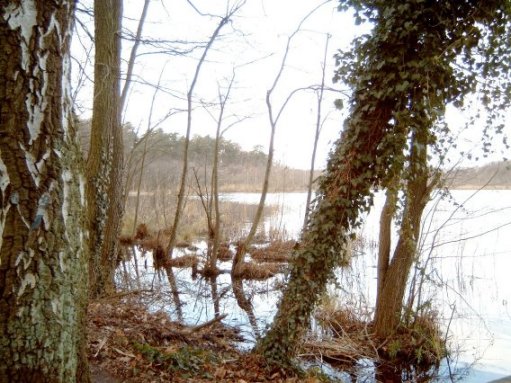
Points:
467	239
466	255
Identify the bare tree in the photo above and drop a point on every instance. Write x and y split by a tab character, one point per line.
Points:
316	133
133	55
213	208
184	172
237	265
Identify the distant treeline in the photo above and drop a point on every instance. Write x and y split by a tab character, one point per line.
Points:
496	175
162	154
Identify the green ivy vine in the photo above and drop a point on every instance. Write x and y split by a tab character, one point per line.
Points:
419	56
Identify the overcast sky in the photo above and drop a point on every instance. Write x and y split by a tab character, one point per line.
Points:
252	46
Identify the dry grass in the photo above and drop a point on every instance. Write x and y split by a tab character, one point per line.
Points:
156	212
126	240
351	337
341	320
276	251
184	261
419	343
259	271
349	334
224	252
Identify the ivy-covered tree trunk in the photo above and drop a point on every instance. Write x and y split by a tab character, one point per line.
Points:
43	260
393	273
343	192
407	56
104	163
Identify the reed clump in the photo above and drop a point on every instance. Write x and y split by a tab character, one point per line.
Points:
275	251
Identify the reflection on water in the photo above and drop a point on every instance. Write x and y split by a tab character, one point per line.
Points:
463	271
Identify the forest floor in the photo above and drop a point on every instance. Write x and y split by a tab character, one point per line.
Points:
129	344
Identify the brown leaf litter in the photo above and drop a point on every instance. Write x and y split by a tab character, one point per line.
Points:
129	344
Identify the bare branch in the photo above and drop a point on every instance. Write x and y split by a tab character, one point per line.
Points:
133	53
180	198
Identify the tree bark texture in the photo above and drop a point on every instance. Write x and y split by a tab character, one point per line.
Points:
385	238
43	263
321	245
392	283
104	164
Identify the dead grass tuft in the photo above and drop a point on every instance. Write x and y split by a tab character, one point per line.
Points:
342	320
126	240
184	261
224	252
142	231
159	258
350	337
259	271
276	251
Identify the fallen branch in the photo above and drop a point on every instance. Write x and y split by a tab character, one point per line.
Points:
206	324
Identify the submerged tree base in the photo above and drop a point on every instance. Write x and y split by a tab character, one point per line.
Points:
414	351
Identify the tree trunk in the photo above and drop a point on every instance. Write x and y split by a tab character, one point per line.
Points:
241	251
43	258
326	235
104	164
316	136
402	77
184	173
392	283
385	239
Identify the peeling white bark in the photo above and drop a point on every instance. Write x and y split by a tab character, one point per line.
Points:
66	93
62	264
28	280
36	103
4	177
67	178
41	164
25	257
23	16
81	184
31	165
6	204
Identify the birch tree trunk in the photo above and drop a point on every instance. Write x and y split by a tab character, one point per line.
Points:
43	258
